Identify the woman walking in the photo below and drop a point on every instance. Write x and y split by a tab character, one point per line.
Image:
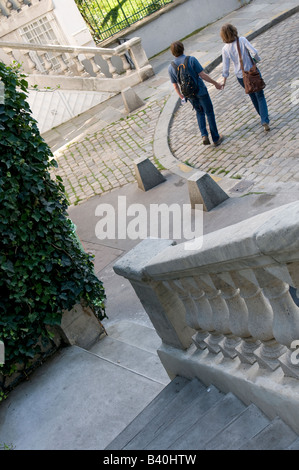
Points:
229	35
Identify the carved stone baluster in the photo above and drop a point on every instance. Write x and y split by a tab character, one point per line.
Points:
220	310
64	68
15	4
204	314
285	313
95	67
289	361
31	64
260	315
125	63
79	65
238	314
111	67
4	8
48	66
9	52
192	318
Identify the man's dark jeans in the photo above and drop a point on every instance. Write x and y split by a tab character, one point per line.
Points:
204	108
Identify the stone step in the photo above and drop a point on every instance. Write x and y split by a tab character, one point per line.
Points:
243	427
174	430
189	415
276	436
53	107
135	334
74	401
166	414
185	414
294	445
210	423
152	409
134	347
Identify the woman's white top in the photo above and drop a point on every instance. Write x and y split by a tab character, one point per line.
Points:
230	53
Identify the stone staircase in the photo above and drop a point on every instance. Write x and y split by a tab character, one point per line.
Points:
117	396
132	346
189	415
50	108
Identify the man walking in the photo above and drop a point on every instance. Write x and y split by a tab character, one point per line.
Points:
201	101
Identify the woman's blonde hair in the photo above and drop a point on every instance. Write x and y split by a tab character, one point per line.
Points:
228	33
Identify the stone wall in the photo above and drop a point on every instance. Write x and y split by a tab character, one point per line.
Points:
174	22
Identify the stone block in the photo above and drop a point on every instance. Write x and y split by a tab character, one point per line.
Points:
204	190
131	100
79	326
147	175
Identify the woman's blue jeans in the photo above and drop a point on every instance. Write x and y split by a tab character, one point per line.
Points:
259	102
204	108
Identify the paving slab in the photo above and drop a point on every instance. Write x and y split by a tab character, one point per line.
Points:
76	401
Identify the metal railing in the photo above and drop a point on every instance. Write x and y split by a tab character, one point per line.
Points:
108	17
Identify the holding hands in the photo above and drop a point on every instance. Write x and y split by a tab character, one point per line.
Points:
219	86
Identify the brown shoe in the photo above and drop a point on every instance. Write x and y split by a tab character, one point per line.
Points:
219	141
266	127
205	140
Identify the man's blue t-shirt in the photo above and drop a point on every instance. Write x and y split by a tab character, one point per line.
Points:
194	68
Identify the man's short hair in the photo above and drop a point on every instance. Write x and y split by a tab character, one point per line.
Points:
177	48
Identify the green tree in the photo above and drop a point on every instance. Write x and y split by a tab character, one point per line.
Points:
43	269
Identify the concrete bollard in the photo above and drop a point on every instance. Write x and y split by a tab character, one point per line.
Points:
147	174
204	190
131	100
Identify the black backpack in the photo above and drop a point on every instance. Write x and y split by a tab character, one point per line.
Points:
189	87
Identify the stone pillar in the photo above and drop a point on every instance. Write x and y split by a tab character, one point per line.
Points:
137	52
164	308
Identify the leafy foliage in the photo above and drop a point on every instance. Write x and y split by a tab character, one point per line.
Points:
112	15
107	17
43	269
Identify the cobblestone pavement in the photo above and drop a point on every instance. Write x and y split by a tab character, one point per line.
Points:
248	152
104	160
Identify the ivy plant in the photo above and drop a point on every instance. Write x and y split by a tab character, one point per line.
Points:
43	268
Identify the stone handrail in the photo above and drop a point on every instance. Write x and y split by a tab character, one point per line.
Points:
232	296
43	62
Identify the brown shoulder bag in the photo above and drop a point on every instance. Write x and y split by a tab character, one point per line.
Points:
253	82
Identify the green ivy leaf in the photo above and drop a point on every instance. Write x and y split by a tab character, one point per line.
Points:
44	270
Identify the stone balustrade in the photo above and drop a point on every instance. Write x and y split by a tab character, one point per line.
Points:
73	67
236	289
226	312
9	7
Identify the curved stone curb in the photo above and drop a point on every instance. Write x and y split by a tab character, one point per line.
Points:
161	138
